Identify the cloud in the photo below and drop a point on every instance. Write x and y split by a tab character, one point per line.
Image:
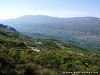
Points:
58	13
75	12
26	9
13	13
9	13
42	12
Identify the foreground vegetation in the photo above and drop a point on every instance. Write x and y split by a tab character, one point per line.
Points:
49	62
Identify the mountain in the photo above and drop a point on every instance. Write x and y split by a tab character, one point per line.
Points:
33	22
7	27
10	38
82	31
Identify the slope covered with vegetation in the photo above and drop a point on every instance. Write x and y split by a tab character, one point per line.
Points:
82	31
23	55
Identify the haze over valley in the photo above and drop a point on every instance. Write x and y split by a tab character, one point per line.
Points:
82	31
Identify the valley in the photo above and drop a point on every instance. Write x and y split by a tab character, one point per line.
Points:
82	31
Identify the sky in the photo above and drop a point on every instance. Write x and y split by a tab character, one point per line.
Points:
57	8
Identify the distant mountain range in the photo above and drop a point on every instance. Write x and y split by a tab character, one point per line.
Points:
83	31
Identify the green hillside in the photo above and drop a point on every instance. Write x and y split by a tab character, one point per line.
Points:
23	55
82	31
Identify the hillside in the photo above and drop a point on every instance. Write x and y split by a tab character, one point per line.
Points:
23	55
82	31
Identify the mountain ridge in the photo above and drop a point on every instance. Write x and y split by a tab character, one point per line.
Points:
77	29
8	27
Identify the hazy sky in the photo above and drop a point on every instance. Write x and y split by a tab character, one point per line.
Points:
58	8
